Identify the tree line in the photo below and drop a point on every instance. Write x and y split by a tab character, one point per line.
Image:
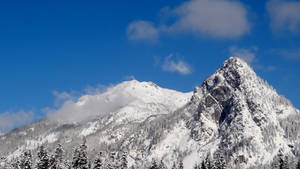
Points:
79	160
113	160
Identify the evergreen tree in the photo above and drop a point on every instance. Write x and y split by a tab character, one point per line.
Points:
83	160
57	161
174	166
90	164
26	160
5	163
162	165
75	160
196	166
124	162
180	164
154	164
16	164
207	164
98	163
284	162
80	159
298	164
43	159
276	162
203	166
220	161
111	162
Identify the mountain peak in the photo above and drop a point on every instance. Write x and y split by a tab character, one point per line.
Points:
233	73
234	101
235	60
237	66
136	83
128	97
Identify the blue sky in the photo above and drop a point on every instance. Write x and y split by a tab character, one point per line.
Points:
67	46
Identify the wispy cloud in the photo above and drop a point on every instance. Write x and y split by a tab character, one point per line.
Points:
61	97
271	68
284	15
92	90
247	54
95	101
250	56
172	64
293	54
213	18
74	106
142	30
10	120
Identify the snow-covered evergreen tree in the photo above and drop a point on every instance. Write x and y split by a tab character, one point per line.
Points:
6	164
80	159
162	165
174	166
57	160
75	160
203	166
124	162
276	162
284	163
26	160
220	161
298	164
196	166
43	161
207	163
15	163
153	164
180	164
98	162
111	161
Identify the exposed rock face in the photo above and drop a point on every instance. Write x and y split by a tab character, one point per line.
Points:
234	116
241	114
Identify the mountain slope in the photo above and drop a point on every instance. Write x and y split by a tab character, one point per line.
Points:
237	114
104	119
233	115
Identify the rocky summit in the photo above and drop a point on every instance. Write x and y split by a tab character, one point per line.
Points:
233	120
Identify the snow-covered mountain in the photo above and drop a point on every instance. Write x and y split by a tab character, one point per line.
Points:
105	119
234	115
238	115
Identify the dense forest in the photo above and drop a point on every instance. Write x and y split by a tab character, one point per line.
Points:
115	160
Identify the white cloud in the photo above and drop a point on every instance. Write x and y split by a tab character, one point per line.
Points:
178	65
100	88
95	102
214	18
142	30
217	18
250	56
10	120
284	15
247	54
62	97
293	54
